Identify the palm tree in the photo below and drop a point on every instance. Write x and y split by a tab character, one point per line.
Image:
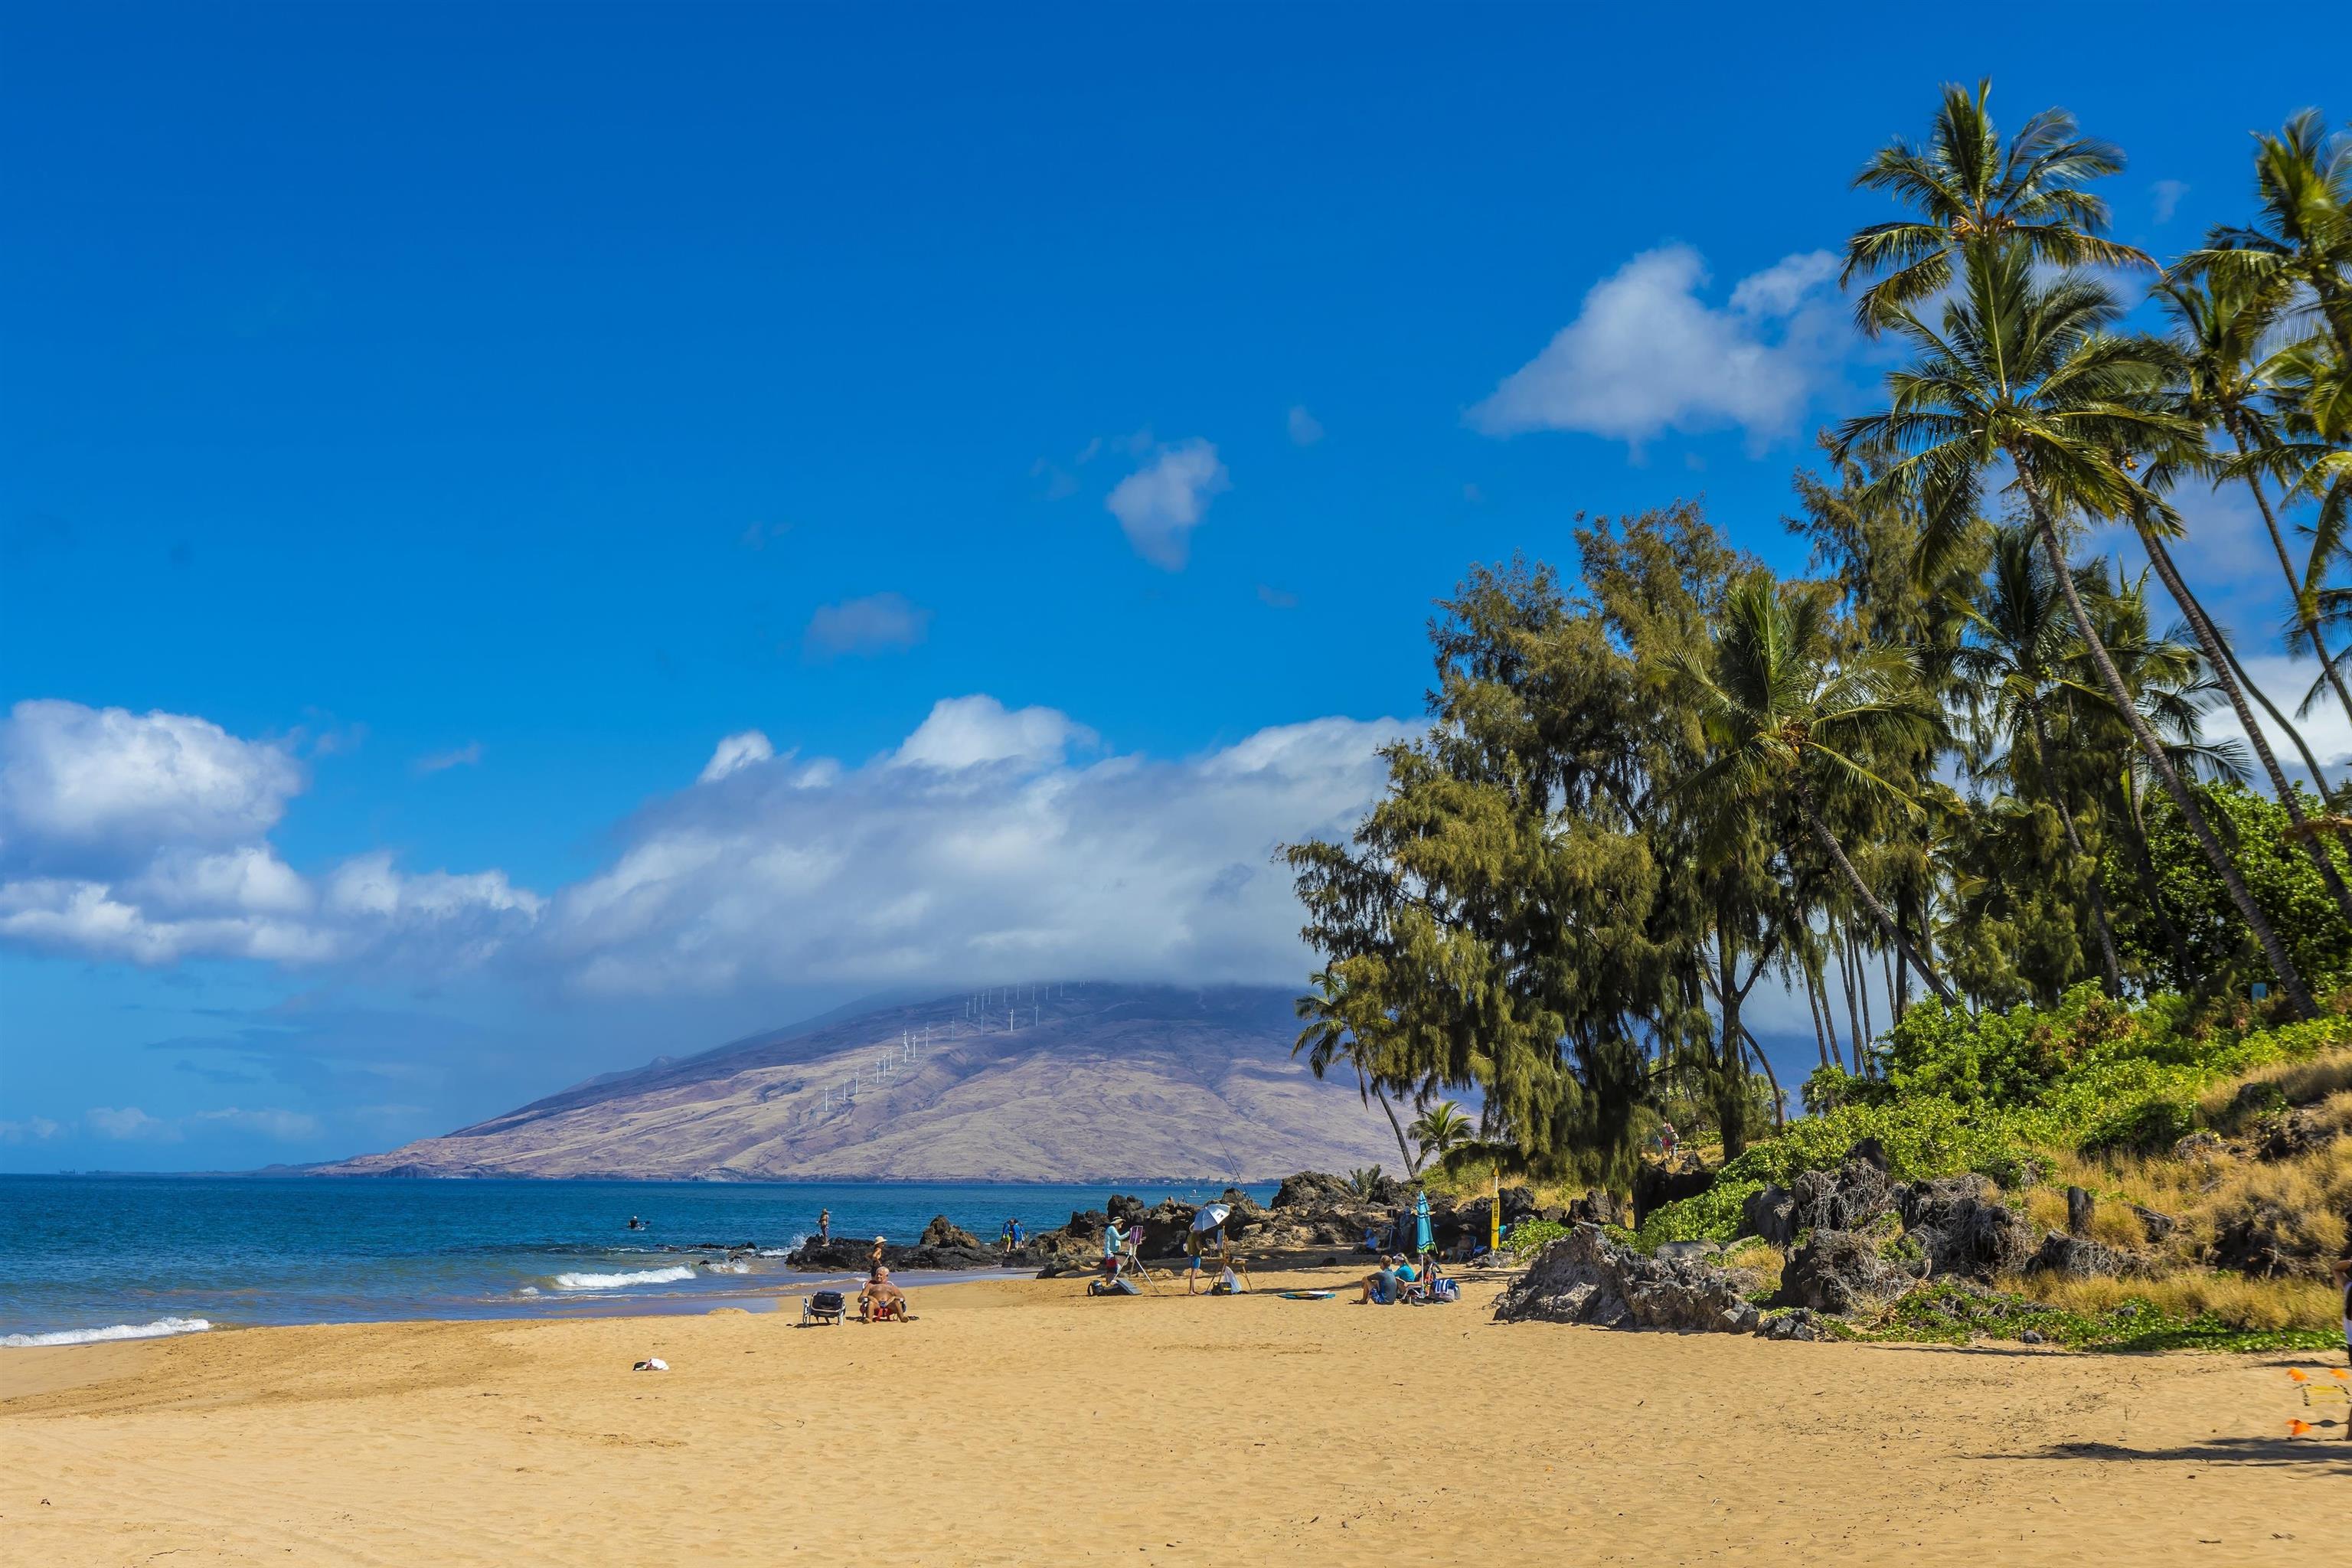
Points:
1440	1129
2023	644
1787	720
1967	190
2028	372
1337	1025
2219	324
2298	252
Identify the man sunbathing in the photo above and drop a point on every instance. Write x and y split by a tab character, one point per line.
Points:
880	1298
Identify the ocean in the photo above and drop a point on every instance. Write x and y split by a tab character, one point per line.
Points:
84	1259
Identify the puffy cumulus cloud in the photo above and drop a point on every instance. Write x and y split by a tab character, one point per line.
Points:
969	731
30	1130
143	838
1647	355
875	624
126	1122
977	844
1160	504
738	750
99	788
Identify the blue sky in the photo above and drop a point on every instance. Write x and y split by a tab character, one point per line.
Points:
430	435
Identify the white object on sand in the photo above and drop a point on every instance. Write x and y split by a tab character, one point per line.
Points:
651	1363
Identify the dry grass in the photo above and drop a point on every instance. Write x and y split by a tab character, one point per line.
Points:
1760	1259
2229	1107
2312	1193
2237	1301
2116	1225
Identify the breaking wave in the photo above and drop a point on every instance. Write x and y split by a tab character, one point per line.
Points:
159	1329
622	1281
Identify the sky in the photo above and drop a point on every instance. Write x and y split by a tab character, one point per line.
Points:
532	539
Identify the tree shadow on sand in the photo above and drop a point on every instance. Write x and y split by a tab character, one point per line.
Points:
2327	1455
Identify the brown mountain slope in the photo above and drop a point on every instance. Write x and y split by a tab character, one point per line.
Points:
1084	1083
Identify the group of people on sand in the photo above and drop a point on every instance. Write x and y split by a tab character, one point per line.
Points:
1399	1278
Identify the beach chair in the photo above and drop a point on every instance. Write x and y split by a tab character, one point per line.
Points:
824	1307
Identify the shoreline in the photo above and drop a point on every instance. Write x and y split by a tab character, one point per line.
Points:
1021	1421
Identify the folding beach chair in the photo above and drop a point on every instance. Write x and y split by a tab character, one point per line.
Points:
824	1307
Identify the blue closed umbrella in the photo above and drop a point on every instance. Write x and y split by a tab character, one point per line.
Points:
1420	1221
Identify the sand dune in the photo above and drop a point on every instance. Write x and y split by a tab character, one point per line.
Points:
1022	1423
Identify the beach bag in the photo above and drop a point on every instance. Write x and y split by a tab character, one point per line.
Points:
1445	1290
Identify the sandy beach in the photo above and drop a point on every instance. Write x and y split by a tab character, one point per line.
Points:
1020	1422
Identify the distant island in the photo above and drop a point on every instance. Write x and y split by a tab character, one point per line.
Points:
1059	1082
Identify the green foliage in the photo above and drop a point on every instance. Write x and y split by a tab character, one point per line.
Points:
2217	955
1982	1093
1364	1182
1950	1312
1527	1238
1712	1215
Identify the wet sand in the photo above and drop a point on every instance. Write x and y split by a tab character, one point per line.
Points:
1020	1422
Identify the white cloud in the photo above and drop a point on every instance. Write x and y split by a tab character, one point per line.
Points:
1304	429
2325	729
128	1123
870	625
143	838
2166	194
465	756
1645	355
31	1130
741	750
1123	865
967	731
97	788
1160	504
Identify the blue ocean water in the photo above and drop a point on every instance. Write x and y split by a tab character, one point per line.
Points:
86	1257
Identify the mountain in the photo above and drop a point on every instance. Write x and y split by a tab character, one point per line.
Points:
1060	1083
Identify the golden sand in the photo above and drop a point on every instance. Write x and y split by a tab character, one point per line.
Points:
1022	1423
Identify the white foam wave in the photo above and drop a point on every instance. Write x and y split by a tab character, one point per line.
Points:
623	1280
160	1329
731	1269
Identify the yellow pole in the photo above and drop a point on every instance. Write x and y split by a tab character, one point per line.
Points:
1495	1215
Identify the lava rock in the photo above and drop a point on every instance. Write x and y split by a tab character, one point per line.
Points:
1585	1277
1848	1198
2079	1258
1962	1231
944	1232
1770	1212
1838	1272
1655	1186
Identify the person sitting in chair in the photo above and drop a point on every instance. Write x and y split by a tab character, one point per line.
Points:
880	1299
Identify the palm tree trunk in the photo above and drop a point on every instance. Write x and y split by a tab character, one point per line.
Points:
1836	851
1860	955
1814	1006
2305	613
1852	1007
2290	978
2109	963
1780	1101
2224	666
1411	1166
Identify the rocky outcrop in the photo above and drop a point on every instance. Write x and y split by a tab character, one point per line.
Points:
1584	1278
1770	1213
1848	1198
1840	1272
846	1255
944	1232
2080	1257
1960	1230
